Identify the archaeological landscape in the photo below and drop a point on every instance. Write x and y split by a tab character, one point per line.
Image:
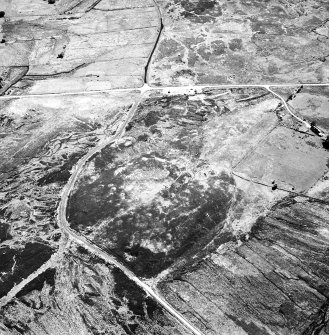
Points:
164	167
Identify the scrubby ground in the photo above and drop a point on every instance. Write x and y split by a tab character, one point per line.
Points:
240	42
42	139
82	295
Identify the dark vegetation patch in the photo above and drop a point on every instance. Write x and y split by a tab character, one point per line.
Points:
325	143
152	118
204	52
97	200
197	11
249	328
320	321
16	327
18	264
6	121
61	174
87	299
140	304
267	25
107	156
235	44
223	238
168	47
143	137
322	122
185	73
146	262
37	284
4	231
82	250
218	47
